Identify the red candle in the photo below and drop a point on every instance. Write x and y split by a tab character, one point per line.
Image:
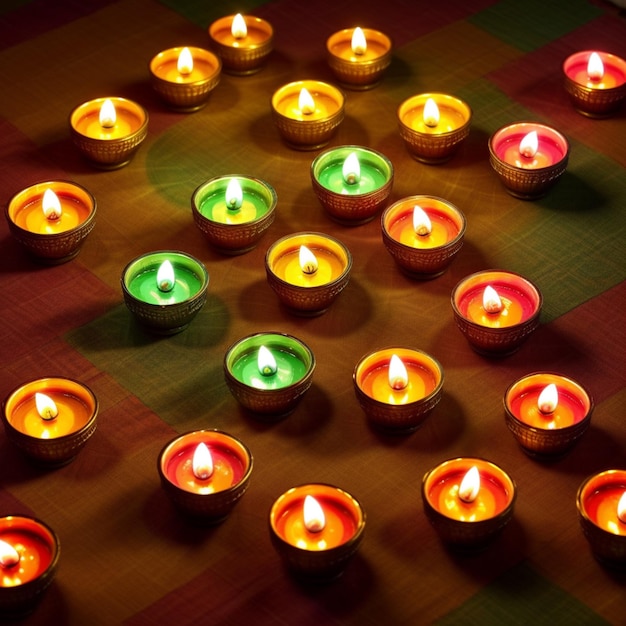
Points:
601	503
518	299
229	464
572	405
29	554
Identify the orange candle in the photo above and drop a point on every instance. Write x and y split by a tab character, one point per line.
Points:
358	56
493	496
316	529
243	42
468	500
185	76
28	209
75	408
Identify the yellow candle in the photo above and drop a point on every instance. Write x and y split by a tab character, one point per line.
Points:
287	266
129	118
30	215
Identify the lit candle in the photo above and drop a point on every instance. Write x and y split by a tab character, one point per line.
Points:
358	56
205	473
50	419
29	555
233	212
316	529
184	77
307	113
352	182
499	323
242	42
297	286
468	500
269	372
52	219
165	289
595	81
547	413
528	158
433	126
423	234
601	503
398	387
108	131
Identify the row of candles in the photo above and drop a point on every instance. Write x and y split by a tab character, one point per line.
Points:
316	528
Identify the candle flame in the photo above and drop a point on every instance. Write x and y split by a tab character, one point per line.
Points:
491	300
185	61
9	556
234	195
351	169
165	276
529	144
202	462
306	104
548	399
359	43
398	376
314	518
46	407
421	222
431	113
51	205
621	508
595	67
108	115
266	362
470	485
239	30
308	261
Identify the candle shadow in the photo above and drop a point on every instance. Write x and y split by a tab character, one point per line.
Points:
161	517
346	314
573	194
311	414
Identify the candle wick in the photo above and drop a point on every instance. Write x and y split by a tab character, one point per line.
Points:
166	285
398	383
49	413
546	409
53	216
309	268
268	370
352	178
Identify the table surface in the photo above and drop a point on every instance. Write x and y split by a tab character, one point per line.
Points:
127	556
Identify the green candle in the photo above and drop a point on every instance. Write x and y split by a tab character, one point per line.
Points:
289	369
215	202
141	279
373	171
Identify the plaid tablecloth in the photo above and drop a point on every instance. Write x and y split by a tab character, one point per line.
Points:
127	556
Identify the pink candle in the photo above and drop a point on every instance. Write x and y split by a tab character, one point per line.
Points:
612	74
551	147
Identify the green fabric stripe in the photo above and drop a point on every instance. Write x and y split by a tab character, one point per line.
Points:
530	24
586	200
520	597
